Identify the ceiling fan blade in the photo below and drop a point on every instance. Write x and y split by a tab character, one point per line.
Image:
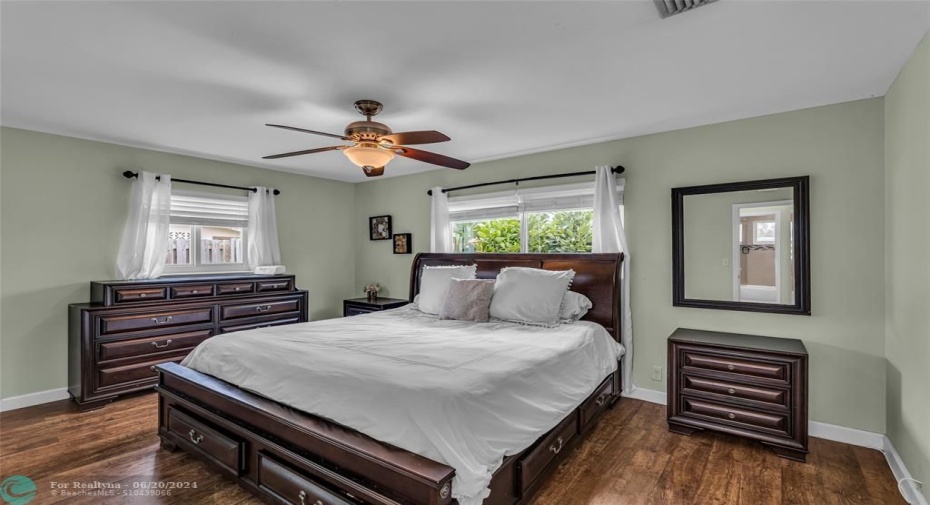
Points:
299	153
308	131
428	157
373	171
420	137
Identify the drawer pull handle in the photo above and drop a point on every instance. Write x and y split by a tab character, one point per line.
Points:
195	439
731	415
600	400
275	286
303	498
557	446
163	321
166	344
194	292
265	308
141	295
731	391
237	288
731	367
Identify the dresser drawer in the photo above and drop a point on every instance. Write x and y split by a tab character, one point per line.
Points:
235	288
289	486
722	363
536	459
224	451
127	295
255	309
738	416
121	349
592	406
260	324
126	374
271	286
771	396
110	324
191	291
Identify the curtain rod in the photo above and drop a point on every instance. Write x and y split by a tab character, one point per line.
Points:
616	170
130	174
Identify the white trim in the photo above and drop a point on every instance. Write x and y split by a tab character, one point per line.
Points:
19	402
908	488
846	435
646	395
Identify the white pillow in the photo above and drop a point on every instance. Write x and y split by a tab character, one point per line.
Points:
434	283
530	295
574	307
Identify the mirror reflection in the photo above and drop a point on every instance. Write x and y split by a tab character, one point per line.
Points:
738	246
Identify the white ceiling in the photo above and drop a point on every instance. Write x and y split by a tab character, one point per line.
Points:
501	79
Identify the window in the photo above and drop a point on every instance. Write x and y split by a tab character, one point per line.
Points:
553	219
207	233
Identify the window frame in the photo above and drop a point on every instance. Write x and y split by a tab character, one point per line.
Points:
196	267
519	198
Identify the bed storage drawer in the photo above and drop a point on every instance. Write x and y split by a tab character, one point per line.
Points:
537	458
224	451
117	323
255	309
596	403
289	486
120	349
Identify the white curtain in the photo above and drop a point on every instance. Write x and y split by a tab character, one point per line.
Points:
610	238
440	235
262	235
143	249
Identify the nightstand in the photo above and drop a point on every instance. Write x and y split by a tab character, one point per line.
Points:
356	306
745	385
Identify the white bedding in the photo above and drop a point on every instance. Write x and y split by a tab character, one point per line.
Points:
462	393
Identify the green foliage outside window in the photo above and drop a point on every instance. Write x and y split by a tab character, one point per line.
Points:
547	232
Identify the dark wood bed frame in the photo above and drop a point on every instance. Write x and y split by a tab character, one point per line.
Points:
283	455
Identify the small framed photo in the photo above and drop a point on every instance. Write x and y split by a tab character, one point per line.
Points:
379	228
403	243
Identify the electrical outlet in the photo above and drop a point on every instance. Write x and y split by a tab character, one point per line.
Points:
657	373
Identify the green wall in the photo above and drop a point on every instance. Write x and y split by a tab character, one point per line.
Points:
907	267
63	206
839	146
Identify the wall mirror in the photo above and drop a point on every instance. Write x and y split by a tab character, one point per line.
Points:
743	246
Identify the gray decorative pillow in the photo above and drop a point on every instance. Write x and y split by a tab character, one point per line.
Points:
468	300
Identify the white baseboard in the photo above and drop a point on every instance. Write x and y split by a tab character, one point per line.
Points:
850	436
846	435
18	402
908	488
646	395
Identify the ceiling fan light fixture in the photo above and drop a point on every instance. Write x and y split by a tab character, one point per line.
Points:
368	155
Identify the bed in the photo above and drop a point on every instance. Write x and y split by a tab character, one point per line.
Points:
285	455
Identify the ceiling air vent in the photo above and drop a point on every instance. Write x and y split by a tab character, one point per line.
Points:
671	7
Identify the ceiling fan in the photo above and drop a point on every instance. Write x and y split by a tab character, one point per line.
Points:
374	145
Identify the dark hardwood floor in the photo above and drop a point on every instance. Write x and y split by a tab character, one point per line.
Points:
630	459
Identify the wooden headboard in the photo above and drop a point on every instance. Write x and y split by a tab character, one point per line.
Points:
597	276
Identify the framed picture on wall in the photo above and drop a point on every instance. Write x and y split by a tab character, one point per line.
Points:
379	228
403	243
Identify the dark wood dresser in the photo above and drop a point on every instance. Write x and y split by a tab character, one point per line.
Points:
745	385
356	306
115	341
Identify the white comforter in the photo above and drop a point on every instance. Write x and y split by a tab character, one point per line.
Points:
464	394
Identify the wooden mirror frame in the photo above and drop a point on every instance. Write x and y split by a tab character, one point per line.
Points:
802	266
